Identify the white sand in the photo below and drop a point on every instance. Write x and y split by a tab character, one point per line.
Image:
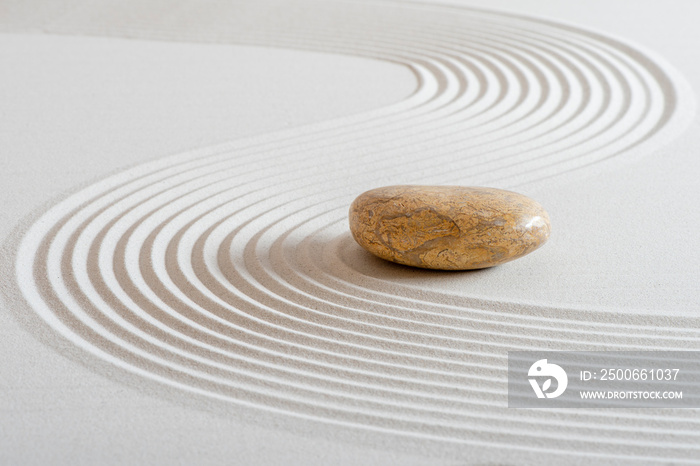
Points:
211	304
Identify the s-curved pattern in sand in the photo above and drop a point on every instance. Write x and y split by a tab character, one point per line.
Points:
228	272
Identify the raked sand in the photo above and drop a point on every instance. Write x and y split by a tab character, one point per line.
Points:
180	281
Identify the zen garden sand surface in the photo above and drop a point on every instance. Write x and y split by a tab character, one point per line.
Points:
179	282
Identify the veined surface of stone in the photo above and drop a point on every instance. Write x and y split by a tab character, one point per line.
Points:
448	227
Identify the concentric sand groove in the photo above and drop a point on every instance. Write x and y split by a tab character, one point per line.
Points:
227	272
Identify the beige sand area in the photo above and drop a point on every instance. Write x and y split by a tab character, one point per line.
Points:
180	284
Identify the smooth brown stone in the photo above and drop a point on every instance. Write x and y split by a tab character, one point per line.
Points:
448	227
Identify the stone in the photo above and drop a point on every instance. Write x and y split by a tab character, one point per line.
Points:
448	227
